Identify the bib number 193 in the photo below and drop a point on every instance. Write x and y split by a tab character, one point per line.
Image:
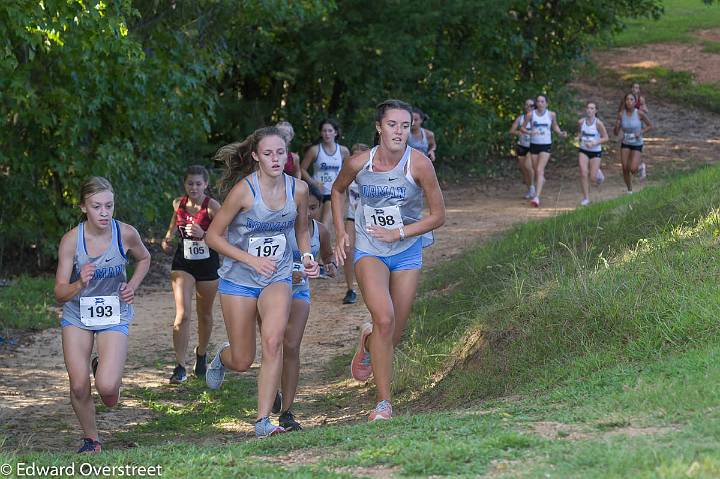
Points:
100	310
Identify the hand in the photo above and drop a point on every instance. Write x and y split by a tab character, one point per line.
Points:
86	274
312	268
383	234
331	269
342	242
264	266
127	293
166	246
431	155
194	230
564	134
638	133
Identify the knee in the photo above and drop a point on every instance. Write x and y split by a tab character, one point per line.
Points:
583	172
180	318
239	362
291	349
80	389
108	391
384	325
272	346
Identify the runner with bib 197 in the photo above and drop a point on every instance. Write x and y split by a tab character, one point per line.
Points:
392	179
262	206
92	283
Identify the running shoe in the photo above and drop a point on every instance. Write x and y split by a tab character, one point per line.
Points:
94	365
277	403
90	446
585	202
288	422
350	297
200	364
179	375
215	373
629	192
642	171
599	177
535	202
360	367
264	428
382	412
322	274
530	193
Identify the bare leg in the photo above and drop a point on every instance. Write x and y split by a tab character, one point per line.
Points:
239	313
204	299
626	166
112	352
349	266
299	312
77	346
374	280
584	179
182	284
539	162
403	286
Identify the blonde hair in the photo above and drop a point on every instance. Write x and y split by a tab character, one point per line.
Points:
286	125
358	147
94	184
238	160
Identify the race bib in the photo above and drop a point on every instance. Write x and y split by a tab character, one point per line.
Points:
99	310
268	246
631	137
194	250
298	268
388	217
326	178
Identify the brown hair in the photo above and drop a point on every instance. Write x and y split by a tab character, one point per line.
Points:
94	184
238	160
391	105
197	170
358	147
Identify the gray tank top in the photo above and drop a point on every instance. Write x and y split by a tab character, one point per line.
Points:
109	275
630	125
260	227
419	144
524	139
297	259
394	188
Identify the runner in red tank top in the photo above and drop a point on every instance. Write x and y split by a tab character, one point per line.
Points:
194	268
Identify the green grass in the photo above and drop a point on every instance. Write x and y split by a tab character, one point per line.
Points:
678	86
26	304
681	17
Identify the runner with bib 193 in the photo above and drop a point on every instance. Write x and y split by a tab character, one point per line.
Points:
92	283
194	269
251	230
392	179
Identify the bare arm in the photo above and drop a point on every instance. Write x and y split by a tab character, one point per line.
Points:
424	174
64	290
646	120
301	229
618	122
134	245
170	233
556	127
515	129
238	199
309	157
603	133
431	144
296	162
326	251
338	195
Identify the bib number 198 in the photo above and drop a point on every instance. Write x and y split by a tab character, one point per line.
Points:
388	217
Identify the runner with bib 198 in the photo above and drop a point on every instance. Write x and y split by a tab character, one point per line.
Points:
392	179
251	230
327	158
194	269
633	123
92	283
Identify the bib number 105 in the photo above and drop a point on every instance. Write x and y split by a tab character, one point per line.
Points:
195	250
388	217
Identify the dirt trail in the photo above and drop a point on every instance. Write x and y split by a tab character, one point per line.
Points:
35	410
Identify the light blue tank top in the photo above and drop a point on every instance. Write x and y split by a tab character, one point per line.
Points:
386	189
297	258
630	124
109	275
254	224
524	139
420	144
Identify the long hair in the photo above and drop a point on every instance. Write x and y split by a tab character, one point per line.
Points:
238	160
94	184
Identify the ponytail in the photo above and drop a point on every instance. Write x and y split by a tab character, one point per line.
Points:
238	159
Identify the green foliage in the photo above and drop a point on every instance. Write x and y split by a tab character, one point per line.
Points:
26	303
136	90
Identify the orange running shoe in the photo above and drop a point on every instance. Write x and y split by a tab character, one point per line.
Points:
360	367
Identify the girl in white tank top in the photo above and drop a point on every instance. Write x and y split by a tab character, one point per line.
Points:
591	136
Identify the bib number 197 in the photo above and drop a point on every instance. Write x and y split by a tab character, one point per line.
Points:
268	246
100	310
